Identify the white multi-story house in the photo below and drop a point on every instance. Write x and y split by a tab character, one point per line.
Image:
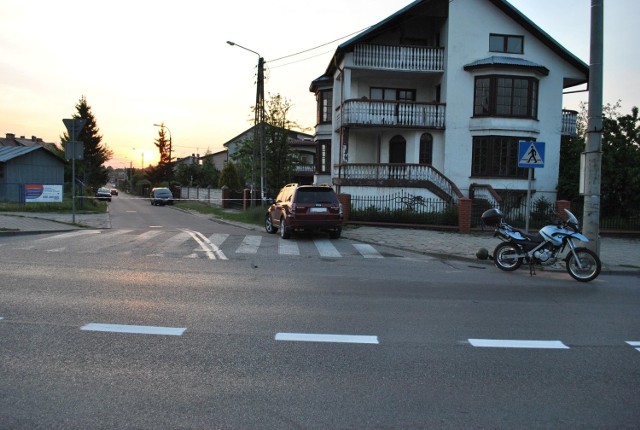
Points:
435	98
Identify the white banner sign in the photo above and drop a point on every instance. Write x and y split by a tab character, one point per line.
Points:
36	193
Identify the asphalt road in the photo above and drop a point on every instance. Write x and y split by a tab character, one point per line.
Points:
131	329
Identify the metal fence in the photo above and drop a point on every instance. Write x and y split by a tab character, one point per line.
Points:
543	212
403	208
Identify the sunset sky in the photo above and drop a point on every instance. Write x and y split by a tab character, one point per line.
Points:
140	63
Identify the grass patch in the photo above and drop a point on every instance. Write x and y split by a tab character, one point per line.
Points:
253	216
87	205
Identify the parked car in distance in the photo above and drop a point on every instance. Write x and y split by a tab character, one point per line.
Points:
161	196
114	191
305	208
103	194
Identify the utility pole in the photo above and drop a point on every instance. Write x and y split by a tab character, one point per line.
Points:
592	156
260	124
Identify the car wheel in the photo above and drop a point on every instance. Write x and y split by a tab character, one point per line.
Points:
284	230
335	234
268	225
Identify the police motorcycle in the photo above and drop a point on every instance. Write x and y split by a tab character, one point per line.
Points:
543	248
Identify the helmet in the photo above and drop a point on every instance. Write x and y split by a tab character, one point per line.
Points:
492	217
482	254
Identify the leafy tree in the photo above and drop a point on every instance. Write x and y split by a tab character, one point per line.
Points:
209	173
620	172
620	186
91	170
229	177
188	174
280	160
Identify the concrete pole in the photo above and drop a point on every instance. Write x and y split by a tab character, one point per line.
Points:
593	144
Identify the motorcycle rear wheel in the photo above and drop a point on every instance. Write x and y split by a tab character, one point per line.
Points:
590	262
505	257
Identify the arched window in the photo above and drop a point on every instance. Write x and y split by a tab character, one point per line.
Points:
426	149
397	150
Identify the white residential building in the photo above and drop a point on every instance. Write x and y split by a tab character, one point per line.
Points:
435	98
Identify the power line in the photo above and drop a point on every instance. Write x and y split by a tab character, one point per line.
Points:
298	61
316	47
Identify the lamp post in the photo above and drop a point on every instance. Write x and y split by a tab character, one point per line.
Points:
258	121
142	158
162	126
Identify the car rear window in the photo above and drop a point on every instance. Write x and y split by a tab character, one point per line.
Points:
316	195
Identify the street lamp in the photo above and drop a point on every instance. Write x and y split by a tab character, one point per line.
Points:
142	158
162	126
259	119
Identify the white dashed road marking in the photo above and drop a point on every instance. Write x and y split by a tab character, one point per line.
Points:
332	338
503	343
136	329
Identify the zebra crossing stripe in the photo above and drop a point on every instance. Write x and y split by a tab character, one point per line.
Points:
326	248
367	251
249	245
288	247
531	344
69	234
635	344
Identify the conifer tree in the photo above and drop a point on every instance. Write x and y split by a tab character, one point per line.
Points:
91	169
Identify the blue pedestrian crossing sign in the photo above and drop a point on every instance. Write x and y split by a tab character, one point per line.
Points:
530	154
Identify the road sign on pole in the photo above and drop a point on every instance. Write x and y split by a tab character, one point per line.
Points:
530	154
74	126
72	150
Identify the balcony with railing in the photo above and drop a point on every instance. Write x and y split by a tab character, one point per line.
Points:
399	57
569	121
397	175
391	113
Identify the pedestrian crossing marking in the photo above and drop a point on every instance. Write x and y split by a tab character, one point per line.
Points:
288	247
69	234
148	235
326	248
635	344
249	245
175	244
367	251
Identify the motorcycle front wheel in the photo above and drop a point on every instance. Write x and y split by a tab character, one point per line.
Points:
505	257
589	261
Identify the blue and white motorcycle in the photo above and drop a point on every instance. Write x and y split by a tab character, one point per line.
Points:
543	248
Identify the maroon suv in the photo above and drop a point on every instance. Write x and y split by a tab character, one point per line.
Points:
305	207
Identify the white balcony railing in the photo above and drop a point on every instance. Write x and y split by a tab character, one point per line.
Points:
381	174
569	120
407	114
405	58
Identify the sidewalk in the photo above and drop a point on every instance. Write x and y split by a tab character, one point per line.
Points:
618	255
